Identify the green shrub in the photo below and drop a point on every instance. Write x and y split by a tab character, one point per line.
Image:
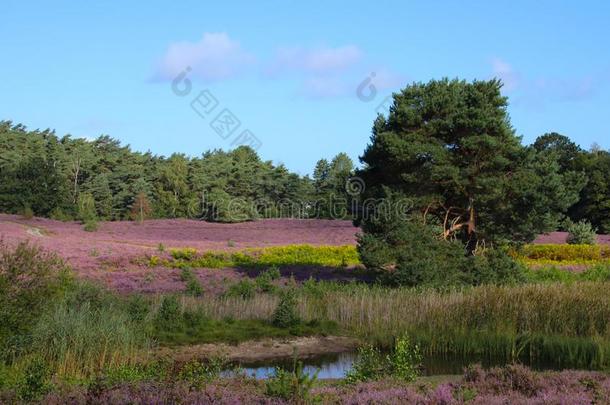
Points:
34	382
242	289
183	254
293	386
563	253
161	247
138	308
169	315
27	212
86	208
264	281
90	226
370	365
285	314
31	280
60	215
402	363
196	373
193	286
405	360
581	233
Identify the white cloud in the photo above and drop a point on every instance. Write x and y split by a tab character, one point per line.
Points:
504	71
214	57
316	61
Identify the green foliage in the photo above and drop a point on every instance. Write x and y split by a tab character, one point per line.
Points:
581	233
183	254
405	360
411	253
244	289
45	172
285	314
196	373
169	314
86	208
90	226
264	281
193	286
30	280
161	248
402	363
271	257
448	146
34	382
369	366
293	386
28	213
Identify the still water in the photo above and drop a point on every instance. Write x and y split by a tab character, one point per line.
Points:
333	366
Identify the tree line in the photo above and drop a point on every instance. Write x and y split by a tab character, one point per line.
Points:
73	178
442	144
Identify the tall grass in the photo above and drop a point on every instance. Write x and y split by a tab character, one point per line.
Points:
565	322
83	340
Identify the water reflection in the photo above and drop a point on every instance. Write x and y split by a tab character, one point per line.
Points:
335	366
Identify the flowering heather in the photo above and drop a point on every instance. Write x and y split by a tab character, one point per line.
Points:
507	385
108	254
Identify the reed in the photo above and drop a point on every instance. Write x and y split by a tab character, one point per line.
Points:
82	341
565	322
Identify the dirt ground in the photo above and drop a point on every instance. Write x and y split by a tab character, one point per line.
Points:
261	350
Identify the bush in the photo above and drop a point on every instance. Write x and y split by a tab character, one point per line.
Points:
30	281
402	363
370	365
405	360
34	382
242	289
564	252
169	315
28	213
264	281
581	233
90	226
193	286
285	314
410	253
196	373
59	215
292	386
183	254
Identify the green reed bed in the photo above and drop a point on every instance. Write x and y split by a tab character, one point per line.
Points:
567	324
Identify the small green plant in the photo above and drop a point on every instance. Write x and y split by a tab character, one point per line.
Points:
161	248
169	316
90	226
230	243
402	363
264	281
34	382
285	314
27	212
370	365
581	233
404	360
293	386
193	286
196	373
242	289
184	254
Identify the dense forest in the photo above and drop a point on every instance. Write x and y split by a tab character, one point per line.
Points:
72	178
68	178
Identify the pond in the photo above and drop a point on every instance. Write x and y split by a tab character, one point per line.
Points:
335	366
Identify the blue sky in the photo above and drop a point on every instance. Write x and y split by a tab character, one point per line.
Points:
290	71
